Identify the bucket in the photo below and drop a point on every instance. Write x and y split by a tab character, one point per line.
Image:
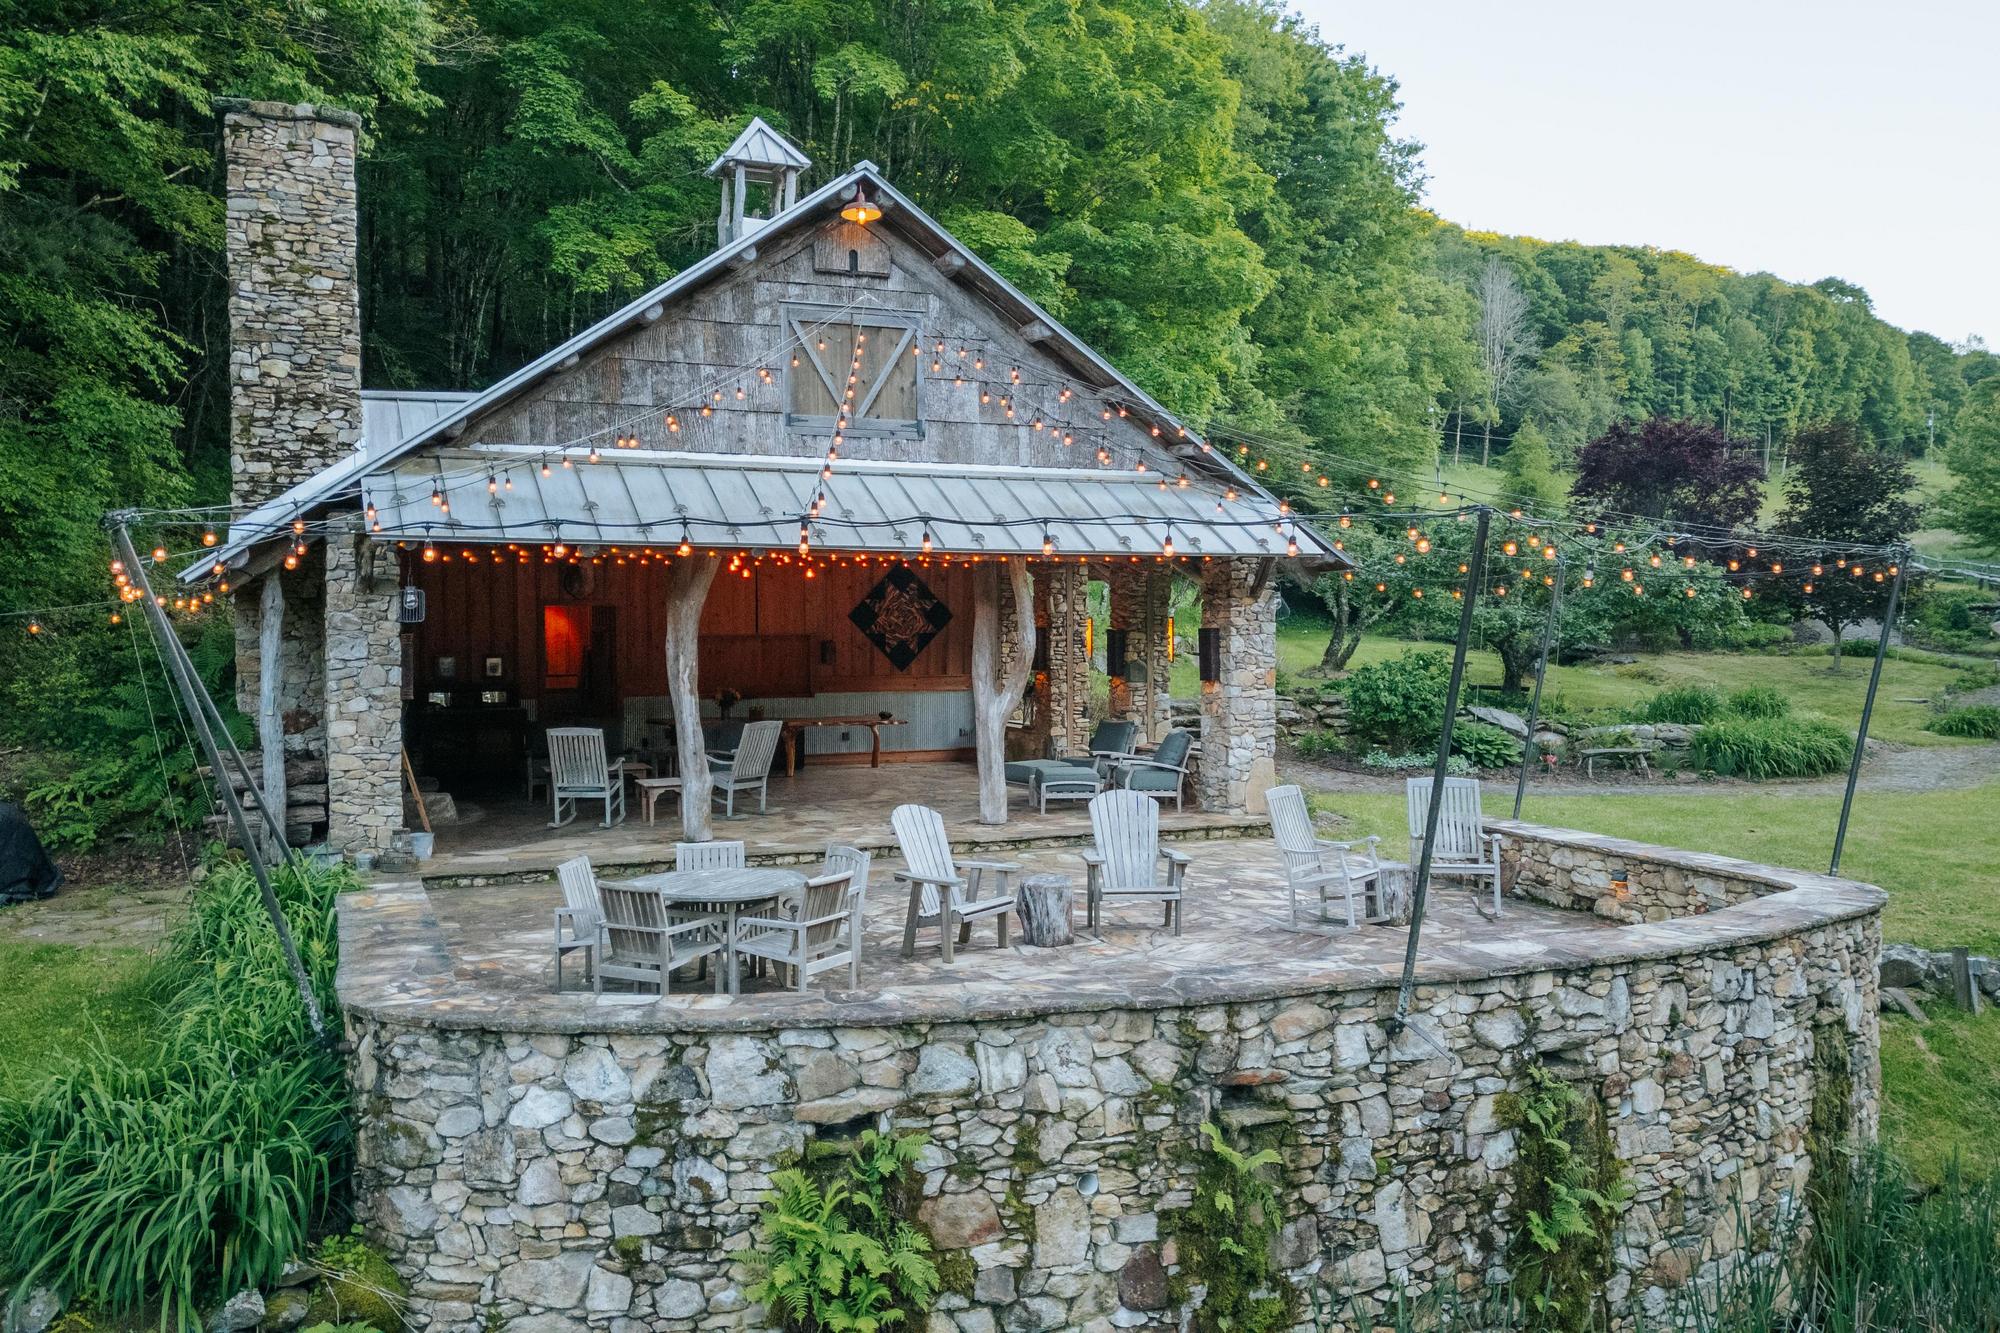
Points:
421	844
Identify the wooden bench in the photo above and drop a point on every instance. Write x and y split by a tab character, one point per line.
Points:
1587	759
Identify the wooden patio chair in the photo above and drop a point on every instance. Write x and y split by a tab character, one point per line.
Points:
826	933
943	891
1464	849
709	856
747	767
578	771
1128	861
578	918
1318	866
852	860
1161	774
643	944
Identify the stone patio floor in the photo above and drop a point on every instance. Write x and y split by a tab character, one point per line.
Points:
1237	936
510	838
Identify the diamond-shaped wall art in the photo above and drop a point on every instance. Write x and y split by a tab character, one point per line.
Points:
900	615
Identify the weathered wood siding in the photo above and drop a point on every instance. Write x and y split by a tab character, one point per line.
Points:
740	320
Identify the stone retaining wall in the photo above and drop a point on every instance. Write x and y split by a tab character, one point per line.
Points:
558	1169
1585	872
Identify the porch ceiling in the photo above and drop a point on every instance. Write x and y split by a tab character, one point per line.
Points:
498	493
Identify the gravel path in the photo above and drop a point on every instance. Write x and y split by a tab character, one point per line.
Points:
1890	768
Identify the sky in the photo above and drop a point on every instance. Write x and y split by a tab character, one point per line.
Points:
1833	139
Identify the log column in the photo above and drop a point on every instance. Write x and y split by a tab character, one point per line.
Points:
270	694
1239	710
688	580
364	694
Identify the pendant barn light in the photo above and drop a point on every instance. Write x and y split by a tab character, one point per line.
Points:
860	208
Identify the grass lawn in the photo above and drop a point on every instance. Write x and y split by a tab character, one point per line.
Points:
1942	1082
1934	851
1810	682
54	998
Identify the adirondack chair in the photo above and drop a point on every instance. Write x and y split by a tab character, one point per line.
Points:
642	943
1108	741
578	771
1161	774
826	934
1128	861
1315	865
747	767
578	918
945	892
1463	848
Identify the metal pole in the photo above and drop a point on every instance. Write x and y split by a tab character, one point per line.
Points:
1475	577
1868	711
1535	700
227	743
189	688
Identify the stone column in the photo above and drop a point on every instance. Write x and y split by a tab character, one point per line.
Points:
1239	711
364	694
1068	700
1126	585
1155	696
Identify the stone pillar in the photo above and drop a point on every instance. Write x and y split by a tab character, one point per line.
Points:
1126	586
291	243
1239	711
1068	700
364	694
1149	648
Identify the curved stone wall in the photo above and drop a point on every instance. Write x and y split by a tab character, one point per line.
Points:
561	1166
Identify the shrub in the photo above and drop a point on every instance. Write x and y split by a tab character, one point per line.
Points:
199	1171
1313	744
1771	747
1456	765
1747	636
1981	721
1685	704
1485	746
1399	702
1758	701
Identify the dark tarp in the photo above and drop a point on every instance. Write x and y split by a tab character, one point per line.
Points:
26	873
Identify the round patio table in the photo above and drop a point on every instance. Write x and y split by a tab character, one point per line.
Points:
725	893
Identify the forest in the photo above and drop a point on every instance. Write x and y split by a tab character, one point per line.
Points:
1215	194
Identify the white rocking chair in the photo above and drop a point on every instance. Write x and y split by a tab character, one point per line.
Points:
1464	848
578	771
1128	860
826	934
1318	866
945	892
746	768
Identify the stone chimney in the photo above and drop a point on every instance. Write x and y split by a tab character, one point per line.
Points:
294	293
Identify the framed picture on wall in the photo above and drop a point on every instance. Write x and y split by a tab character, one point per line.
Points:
447	668
495	668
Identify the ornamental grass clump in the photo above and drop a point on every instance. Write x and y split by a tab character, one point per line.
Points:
171	1181
1684	704
1761	748
1979	721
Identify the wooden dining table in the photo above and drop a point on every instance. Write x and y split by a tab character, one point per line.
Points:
729	893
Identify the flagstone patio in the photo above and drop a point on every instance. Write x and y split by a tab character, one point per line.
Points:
509	839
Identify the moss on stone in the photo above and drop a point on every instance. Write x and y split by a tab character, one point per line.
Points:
357	1286
1569	1189
1829	1120
1225	1238
629	1249
1028	1145
956	1272
1020	1218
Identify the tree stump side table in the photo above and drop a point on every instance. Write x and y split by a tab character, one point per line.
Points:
1046	905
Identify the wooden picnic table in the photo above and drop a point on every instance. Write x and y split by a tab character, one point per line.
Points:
794	735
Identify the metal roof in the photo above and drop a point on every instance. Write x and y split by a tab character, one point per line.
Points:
389	416
632	498
761	146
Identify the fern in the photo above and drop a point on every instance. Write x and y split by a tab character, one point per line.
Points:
835	1255
1571	1190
